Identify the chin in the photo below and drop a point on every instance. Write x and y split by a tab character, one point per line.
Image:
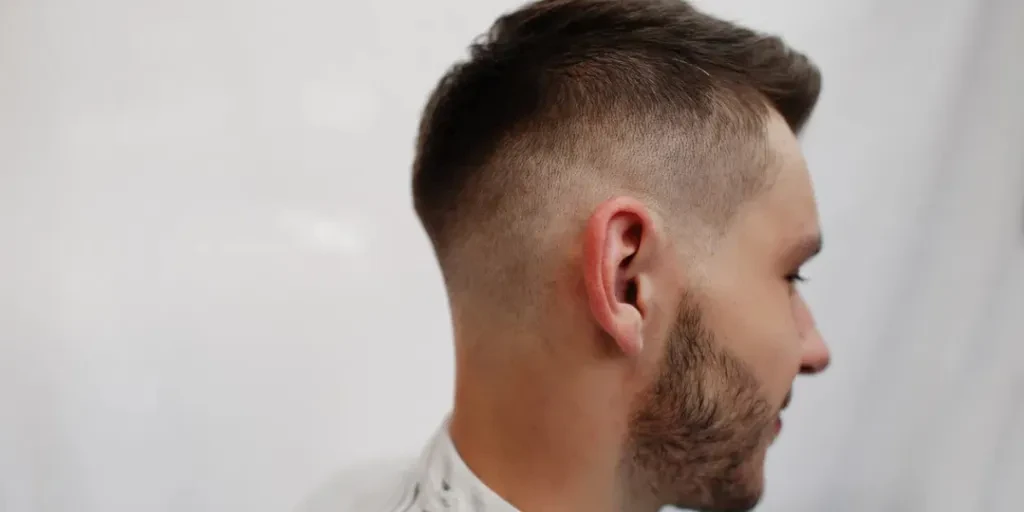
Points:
744	505
742	501
745	495
738	490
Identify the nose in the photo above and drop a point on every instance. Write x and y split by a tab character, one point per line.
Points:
815	356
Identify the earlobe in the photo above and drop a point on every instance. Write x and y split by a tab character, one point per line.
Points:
616	238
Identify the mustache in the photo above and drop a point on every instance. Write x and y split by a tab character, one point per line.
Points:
789	398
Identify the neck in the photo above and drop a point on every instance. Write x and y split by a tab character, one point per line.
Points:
539	438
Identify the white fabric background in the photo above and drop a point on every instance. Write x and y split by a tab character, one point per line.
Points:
214	294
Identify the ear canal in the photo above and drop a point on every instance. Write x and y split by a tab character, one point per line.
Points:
631	292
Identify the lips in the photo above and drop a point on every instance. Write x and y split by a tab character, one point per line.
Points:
778	419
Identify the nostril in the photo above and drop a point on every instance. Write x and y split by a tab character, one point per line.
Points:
817	366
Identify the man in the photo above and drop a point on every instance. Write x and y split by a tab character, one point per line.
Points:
616	196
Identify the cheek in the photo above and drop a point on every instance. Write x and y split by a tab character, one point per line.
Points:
758	327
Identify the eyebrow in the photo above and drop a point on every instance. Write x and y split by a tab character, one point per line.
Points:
807	248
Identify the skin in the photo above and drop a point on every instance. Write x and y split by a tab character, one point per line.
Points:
655	378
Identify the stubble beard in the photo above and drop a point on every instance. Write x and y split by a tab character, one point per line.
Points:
699	434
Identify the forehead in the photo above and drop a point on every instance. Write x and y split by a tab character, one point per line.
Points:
786	211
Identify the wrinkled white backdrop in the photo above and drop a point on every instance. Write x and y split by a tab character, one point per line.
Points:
214	295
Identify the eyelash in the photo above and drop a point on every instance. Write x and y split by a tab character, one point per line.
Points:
796	278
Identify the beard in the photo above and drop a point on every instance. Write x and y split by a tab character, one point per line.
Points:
699	433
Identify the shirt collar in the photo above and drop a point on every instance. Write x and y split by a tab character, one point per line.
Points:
445	482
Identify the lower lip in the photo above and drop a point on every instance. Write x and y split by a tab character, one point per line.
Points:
778	425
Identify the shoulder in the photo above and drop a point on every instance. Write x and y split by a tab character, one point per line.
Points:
380	487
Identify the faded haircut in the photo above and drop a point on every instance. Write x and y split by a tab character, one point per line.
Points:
564	103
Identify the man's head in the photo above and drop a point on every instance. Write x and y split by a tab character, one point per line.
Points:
615	189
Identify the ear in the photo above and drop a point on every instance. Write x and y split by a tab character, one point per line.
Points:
621	252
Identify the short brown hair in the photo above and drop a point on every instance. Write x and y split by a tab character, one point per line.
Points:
647	96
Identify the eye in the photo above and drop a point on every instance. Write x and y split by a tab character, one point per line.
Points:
796	277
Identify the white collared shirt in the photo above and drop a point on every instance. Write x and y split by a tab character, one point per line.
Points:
439	481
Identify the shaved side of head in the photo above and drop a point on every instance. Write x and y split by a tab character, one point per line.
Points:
566	103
